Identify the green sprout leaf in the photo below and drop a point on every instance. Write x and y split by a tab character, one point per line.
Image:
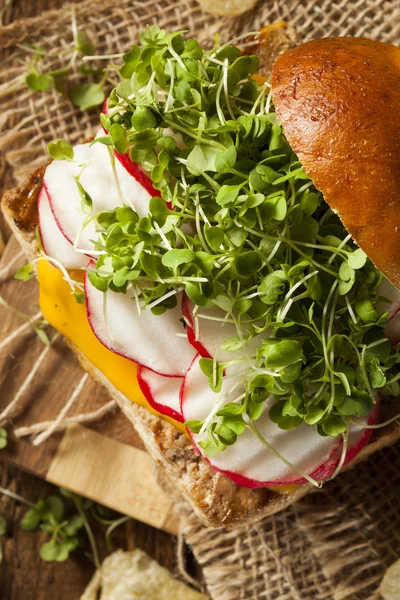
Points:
3	526
247	264
272	287
38	82
334	425
84	44
31	520
60	150
226	160
357	259
87	95
226	435
359	404
281	353
131	60
194	426
86	200
227	194
202	158
177	257
143	118
25	273
3	438
309	202
366	311
119	137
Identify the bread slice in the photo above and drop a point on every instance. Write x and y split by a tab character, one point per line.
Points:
215	498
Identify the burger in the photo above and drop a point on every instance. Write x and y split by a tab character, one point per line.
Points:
223	256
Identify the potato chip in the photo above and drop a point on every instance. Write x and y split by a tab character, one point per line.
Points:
227	8
390	586
136	576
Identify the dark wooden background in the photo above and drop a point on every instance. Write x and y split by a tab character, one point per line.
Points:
23	575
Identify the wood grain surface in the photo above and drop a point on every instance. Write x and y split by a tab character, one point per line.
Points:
23	575
103	460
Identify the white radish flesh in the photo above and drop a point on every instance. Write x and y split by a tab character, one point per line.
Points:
162	393
148	339
103	178
392	329
248	462
54	243
210	332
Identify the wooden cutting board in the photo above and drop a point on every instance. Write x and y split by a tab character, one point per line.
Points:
104	461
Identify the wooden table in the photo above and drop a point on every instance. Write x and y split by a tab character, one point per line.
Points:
23	575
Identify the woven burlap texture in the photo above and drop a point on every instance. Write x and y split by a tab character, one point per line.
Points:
336	543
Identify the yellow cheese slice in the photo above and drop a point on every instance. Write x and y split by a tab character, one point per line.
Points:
61	310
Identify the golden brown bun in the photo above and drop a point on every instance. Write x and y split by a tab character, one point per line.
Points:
338	100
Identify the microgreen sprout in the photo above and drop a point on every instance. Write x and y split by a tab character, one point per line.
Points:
3	438
63	526
40	77
3	532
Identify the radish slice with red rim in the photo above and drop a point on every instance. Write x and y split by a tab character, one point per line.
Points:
54	243
248	462
133	168
136	172
211	332
107	188
392	329
162	393
154	341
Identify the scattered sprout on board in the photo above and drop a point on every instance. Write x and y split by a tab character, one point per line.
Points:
88	94
66	529
3	438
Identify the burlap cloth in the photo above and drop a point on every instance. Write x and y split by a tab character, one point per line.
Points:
335	543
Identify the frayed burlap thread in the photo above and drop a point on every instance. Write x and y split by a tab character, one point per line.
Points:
335	543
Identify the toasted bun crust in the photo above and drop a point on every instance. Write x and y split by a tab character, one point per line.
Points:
338	100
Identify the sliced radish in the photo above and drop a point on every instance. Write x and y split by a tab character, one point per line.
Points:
133	168
135	171
209	333
392	329
54	243
162	393
153	341
107	190
248	462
